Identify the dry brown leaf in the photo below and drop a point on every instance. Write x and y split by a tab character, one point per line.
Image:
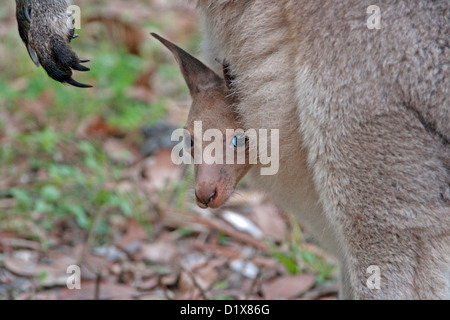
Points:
169	280
11	124
142	94
119	151
159	173
288	287
96	126
177	113
107	291
204	277
37	108
218	250
43	295
148	284
328	291
160	252
6	242
55	270
21	267
135	233
144	79
120	32
267	217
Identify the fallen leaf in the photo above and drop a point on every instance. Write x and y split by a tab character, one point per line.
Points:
325	291
267	217
18	243
134	234
110	253
44	295
120	32
22	263
160	252
170	279
121	152
148	284
288	287
159	173
107	291
204	276
242	224
96	126
37	108
246	268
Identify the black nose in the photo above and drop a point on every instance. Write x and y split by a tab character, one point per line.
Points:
205	197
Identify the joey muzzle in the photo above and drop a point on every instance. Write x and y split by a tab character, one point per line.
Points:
212	186
205	196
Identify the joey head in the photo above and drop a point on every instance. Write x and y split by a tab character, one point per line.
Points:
213	106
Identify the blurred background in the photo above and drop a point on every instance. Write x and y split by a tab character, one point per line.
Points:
86	178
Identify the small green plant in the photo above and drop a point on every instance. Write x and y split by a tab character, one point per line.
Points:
297	260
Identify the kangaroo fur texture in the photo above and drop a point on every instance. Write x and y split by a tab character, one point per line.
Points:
364	127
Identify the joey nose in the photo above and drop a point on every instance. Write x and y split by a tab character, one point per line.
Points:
205	196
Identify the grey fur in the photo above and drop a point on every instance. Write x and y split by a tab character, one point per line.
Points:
372	119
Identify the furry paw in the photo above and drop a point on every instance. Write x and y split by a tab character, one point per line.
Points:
47	29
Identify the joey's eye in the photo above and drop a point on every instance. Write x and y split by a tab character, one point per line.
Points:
239	141
189	142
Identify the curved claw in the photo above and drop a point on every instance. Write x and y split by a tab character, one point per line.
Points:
75	35
33	55
77	84
48	41
80	67
27	13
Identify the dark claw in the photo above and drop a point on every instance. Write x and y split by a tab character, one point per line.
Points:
33	55
45	44
80	67
27	13
77	84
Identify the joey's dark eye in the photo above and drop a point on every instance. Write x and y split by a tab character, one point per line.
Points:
189	142
239	141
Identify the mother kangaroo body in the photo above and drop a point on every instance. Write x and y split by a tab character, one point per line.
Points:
364	127
363	115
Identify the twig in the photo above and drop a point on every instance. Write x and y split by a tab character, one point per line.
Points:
196	284
230	231
164	288
163	204
20	243
219	250
318	252
98	282
91	236
253	285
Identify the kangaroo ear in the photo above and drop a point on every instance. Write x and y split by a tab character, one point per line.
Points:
198	77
